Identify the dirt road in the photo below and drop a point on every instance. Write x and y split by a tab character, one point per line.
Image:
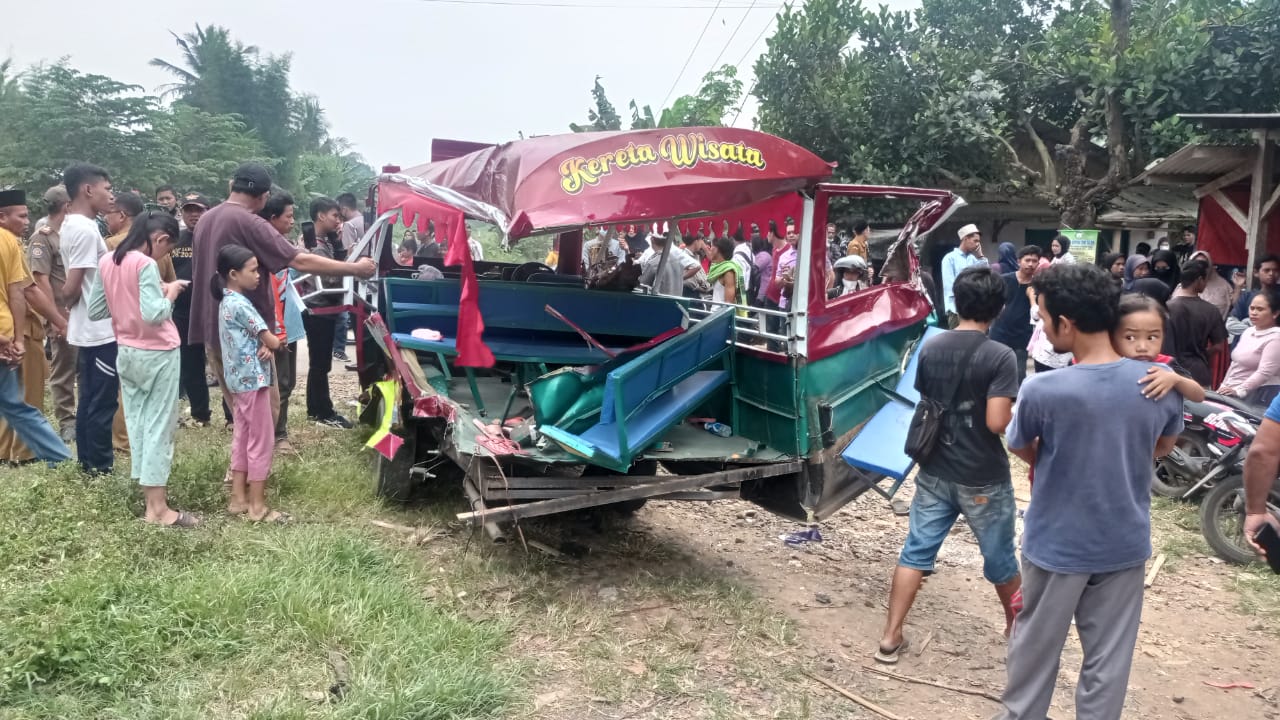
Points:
700	610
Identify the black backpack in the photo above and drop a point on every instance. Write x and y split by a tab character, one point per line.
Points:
926	423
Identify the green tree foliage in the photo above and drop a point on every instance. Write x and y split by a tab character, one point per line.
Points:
203	149
718	94
56	115
603	116
229	105
956	92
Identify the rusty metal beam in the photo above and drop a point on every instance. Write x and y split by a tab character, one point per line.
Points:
662	487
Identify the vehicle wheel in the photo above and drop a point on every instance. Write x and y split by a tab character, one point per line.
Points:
1222	520
395	479
1171	481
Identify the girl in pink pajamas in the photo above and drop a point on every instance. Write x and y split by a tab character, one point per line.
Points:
247	344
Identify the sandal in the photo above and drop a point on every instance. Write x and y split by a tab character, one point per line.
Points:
890	657
273	517
184	520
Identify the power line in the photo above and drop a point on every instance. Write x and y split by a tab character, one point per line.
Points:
747	95
732	35
755	42
696	43
637	5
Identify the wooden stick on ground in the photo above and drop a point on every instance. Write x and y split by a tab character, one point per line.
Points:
856	698
930	683
1155	571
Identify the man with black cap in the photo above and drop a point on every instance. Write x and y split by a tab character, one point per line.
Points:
27	423
192	355
44	259
89	187
236	222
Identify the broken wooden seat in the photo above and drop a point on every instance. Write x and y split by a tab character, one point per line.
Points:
646	396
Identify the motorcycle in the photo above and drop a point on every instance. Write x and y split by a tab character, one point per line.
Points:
1199	459
1209	456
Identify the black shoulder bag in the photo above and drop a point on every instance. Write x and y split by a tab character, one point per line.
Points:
926	423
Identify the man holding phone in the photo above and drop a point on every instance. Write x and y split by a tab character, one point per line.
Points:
1260	470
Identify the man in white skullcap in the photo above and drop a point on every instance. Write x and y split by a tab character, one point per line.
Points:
967	255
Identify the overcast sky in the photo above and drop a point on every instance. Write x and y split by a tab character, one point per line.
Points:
393	74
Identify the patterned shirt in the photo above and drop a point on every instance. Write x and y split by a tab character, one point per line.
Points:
239	326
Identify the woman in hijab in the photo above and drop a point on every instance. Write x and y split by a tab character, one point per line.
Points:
1060	248
1164	267
1113	263
1008	259
1137	279
1218	290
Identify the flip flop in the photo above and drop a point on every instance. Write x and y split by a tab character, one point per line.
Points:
890	657
281	518
184	520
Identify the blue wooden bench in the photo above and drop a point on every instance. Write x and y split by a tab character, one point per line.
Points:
517	327
647	395
878	447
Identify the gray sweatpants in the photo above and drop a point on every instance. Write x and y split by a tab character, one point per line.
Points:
1107	609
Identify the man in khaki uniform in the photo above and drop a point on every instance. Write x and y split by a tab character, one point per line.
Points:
22	367
44	257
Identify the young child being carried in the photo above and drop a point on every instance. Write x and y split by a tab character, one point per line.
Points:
1139	335
247	344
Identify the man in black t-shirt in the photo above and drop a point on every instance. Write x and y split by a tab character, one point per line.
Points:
1013	327
1196	329
192	360
968	472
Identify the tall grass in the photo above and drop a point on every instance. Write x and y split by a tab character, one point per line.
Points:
107	617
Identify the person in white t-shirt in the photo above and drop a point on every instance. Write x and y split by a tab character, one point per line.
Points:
82	245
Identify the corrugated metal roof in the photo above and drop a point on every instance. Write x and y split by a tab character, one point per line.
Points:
1197	164
1235	121
1147	205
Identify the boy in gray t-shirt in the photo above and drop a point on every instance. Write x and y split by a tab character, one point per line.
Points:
1091	435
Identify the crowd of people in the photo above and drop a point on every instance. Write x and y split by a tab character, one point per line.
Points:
1116	348
121	306
1221	333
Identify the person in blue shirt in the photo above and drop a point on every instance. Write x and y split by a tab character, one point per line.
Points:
1090	434
968	254
1261	467
1266	271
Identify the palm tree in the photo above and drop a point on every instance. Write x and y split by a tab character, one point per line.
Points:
212	64
10	87
310	128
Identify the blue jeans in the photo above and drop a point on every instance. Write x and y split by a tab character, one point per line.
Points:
990	512
99	398
28	423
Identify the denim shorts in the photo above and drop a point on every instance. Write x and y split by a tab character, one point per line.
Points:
990	512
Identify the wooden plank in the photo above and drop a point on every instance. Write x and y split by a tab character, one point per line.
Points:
1231	209
1255	232
1231	178
663	487
1272	202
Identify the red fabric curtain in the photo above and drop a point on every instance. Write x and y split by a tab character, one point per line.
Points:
450	224
1222	238
790	205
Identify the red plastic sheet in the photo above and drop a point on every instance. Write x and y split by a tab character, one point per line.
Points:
1222	238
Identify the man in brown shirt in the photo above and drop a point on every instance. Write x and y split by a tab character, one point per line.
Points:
44	257
235	222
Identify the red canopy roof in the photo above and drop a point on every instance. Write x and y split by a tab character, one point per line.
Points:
566	181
